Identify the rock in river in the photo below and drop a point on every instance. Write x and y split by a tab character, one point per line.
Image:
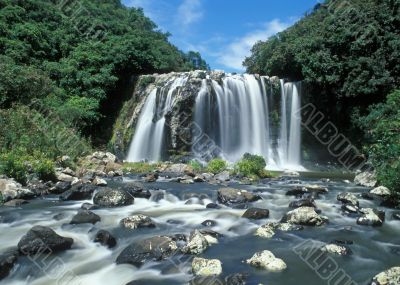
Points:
10	189
111	198
7	261
105	238
235	196
336	249
79	191
306	216
269	230
371	217
267	260
44	240
137	221
388	277
256	214
206	267
85	217
197	243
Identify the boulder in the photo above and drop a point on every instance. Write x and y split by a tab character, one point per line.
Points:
85	217
367	179
388	277
10	190
152	249
230	196
179	169
306	216
66	178
308	202
111	198
38	187
213	206
16	203
223	176
267	260
7	261
269	230
380	191
256	214
336	249
61	187
197	243
348	198
209	223
99	182
137	190
199	178
41	239
206	267
105	238
371	217
78	192
137	221
151	177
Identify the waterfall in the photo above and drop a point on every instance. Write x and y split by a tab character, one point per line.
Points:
148	142
237	113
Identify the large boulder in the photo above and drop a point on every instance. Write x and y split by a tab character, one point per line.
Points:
348	198
137	221
230	196
197	243
306	216
256	214
10	190
7	261
151	249
105	238
41	239
371	217
136	189
381	191
78	192
61	187
85	217
367	179
111	198
269	230
267	260
206	267
388	277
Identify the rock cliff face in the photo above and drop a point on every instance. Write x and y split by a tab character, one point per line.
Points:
174	104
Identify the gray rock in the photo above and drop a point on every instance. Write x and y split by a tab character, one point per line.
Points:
105	238
111	198
41	239
206	267
309	202
388	277
209	223
61	187
336	249
7	261
306	216
367	179
371	217
256	214
197	243
85	217
151	249
99	182
137	221
78	192
348	198
10	190
267	260
213	206
223	176
380	191
269	230
136	189
234	196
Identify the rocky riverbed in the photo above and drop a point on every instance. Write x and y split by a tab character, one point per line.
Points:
124	230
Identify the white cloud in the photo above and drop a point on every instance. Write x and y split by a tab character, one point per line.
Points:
233	55
189	12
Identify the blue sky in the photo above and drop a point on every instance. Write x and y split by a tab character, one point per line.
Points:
223	31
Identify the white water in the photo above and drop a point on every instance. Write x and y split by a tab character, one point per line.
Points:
148	142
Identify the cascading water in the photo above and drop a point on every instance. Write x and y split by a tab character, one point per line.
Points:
236	112
148	143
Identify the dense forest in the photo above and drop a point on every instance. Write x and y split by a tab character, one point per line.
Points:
347	54
61	63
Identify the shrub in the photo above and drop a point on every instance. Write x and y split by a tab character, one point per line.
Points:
216	165
251	165
139	167
196	165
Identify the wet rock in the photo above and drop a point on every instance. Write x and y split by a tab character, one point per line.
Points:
88	206
7	261
151	249
388	277
38	187
208	176
367	179
199	178
111	198
223	176
350	209
10	190
234	196
380	191
78	192
256	214
99	182
209	223
336	249
137	221
306	216
316	189
269	230
197	243
206	267
137	190
15	203
371	217
267	260
152	177
348	198
186	180
396	216
309	202
105	238
41	239
85	217
298	191
61	187
213	206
